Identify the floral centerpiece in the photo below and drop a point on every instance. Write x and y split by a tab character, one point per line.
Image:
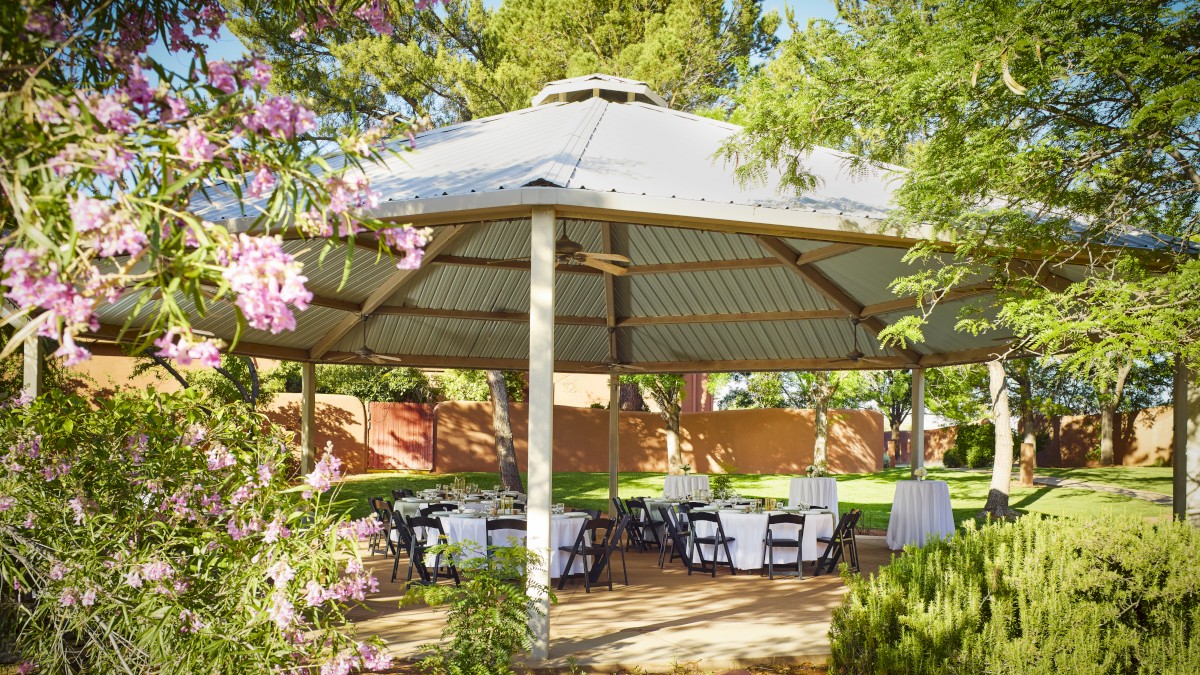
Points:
920	473
686	469
817	470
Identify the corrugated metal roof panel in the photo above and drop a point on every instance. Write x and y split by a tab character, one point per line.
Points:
769	289
421	336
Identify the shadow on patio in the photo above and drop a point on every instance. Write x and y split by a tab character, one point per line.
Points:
663	617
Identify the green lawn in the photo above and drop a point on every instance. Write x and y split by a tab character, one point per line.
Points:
1149	478
870	492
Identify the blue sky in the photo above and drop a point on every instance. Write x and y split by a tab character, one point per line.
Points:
229	48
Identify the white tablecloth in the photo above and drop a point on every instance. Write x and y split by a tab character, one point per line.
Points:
471	532
920	512
749	530
815	492
678	487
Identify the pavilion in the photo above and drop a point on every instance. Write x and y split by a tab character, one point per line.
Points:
723	276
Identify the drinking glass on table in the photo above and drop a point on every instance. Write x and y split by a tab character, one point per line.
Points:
560	508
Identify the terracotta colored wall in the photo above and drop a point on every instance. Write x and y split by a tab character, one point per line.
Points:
340	419
781	440
1141	438
937	442
750	441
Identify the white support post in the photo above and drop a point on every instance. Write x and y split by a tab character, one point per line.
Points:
541	423
916	440
614	438
31	386
1185	457
308	405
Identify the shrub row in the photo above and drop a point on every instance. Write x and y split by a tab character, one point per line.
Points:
1035	596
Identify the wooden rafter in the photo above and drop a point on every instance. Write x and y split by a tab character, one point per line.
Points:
474	315
445	237
611	321
832	292
912	302
630	270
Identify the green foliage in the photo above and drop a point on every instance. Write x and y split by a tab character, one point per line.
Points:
666	389
471	60
975	445
1038	126
953	458
958	393
891	392
54	375
1114	595
488	617
368	383
460	384
789	389
150	534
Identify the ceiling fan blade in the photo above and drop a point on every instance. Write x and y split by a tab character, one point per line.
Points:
507	260
614	257
388	359
603	266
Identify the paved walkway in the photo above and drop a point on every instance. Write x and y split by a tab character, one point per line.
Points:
663	617
1152	497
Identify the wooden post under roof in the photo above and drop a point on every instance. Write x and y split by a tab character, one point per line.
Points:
614	439
916	440
308	405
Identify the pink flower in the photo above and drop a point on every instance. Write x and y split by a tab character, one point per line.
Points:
314	594
263	183
137	87
373	658
77	508
340	664
57	570
361	528
409	240
324	474
26	667
89	598
376	14
47	112
6	503
281	610
110	231
177	109
157	570
219	457
220	76
281	117
186	351
136	446
265	474
193	144
260	73
68	597
45	26
346	192
266	279
191	621
275	531
281	573
133	578
111	111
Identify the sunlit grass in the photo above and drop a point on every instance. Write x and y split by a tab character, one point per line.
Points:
872	493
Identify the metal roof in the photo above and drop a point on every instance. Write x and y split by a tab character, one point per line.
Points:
725	276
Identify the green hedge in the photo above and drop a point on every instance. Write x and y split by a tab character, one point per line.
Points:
1035	596
975	446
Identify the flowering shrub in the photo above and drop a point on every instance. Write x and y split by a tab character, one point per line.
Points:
106	157
156	533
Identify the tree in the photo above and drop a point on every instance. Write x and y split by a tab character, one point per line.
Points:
958	393
891	392
997	500
367	383
235	380
469	60
666	390
506	454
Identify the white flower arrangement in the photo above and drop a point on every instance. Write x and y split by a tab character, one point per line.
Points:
920	473
685	468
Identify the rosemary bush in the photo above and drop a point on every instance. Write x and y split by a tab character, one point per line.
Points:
1035	596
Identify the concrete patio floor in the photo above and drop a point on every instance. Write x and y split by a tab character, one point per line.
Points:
663	618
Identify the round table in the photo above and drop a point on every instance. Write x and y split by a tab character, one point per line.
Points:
679	487
816	492
749	530
470	531
920	512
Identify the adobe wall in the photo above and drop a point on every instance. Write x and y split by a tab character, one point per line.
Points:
1141	438
340	419
937	442
745	441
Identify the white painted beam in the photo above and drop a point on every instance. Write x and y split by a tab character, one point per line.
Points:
308	405
916	441
541	423
614	438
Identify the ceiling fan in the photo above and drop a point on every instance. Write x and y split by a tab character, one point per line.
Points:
366	353
570	252
856	355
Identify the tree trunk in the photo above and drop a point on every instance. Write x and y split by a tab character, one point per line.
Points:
1108	414
821	442
506	455
674	455
631	398
997	499
1029	422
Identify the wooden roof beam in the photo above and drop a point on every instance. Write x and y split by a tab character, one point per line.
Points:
913	301
630	270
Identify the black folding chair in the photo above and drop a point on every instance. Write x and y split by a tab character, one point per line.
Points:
632	536
717	540
503	524
401	493
436	508
603	534
772	542
416	554
649	529
676	539
592	513
373	540
404	542
841	543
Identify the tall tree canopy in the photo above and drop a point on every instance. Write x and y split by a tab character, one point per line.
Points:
1045	126
466	60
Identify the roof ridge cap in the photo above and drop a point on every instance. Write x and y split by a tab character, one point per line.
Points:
581	137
